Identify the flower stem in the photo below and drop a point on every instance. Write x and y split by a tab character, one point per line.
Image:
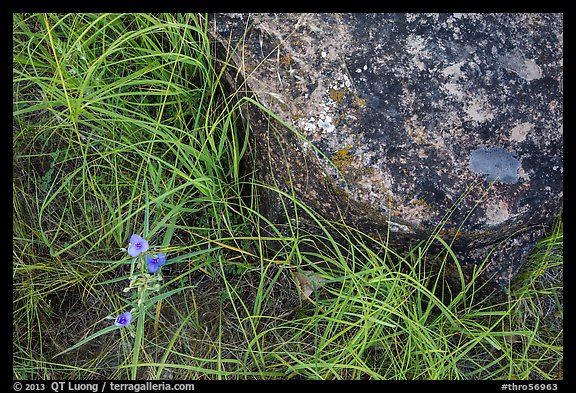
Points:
139	332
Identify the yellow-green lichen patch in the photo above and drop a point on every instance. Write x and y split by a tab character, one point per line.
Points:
343	158
360	102
339	119
337	95
421	202
286	60
450	233
298	42
297	113
248	67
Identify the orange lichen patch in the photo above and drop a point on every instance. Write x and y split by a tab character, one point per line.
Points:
451	270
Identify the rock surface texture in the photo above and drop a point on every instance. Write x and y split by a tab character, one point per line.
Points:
410	123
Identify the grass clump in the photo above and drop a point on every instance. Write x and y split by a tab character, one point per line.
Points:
122	125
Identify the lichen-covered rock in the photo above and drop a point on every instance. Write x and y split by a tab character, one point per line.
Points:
410	123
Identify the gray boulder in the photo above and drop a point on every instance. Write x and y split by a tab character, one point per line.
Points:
409	125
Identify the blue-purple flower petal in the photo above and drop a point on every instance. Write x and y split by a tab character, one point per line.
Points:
137	245
123	319
154	262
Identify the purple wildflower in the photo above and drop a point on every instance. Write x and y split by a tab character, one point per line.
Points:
123	319
155	262
137	245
